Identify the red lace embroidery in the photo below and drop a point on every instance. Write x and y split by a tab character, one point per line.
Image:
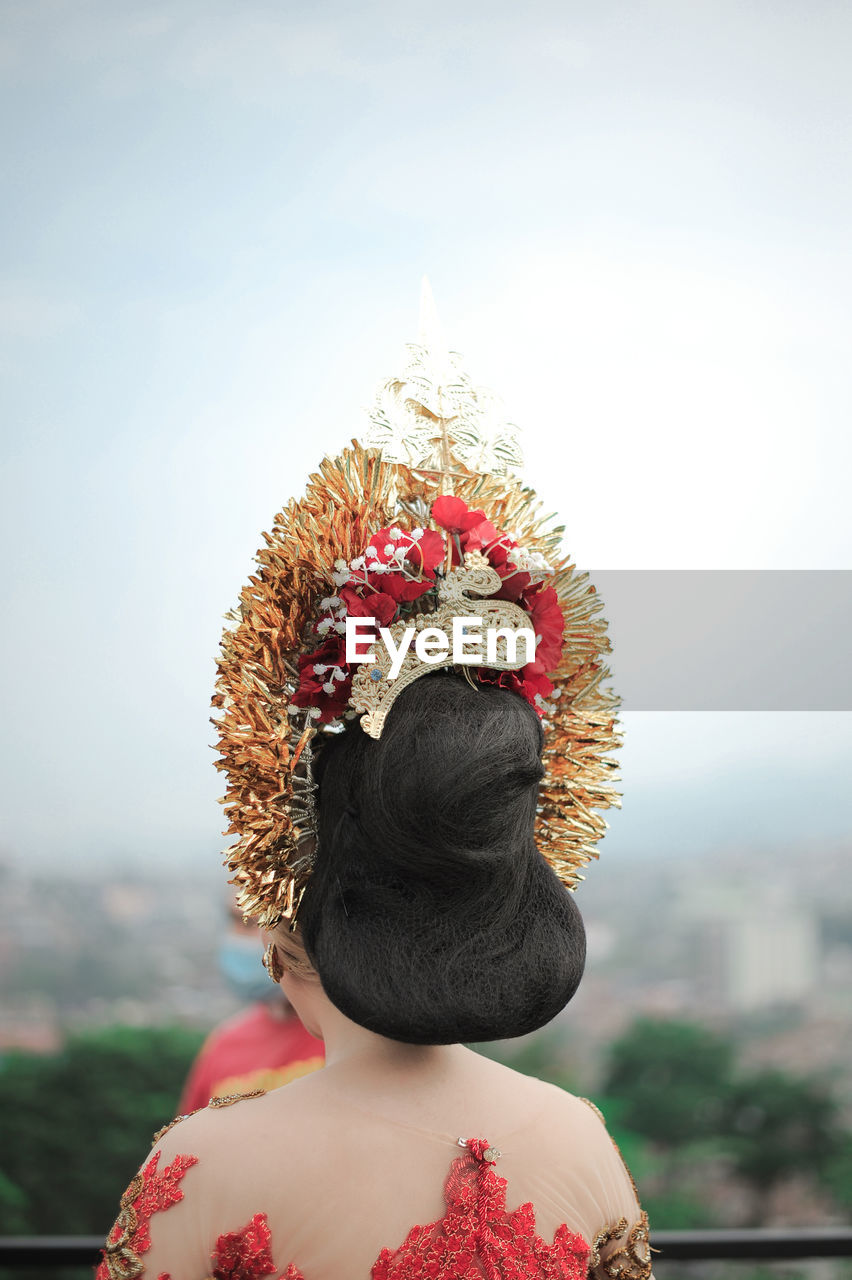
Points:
245	1255
478	1237
131	1235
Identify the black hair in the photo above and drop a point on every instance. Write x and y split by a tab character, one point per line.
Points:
430	915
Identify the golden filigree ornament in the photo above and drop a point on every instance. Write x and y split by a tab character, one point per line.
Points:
412	533
631	1260
375	687
432	413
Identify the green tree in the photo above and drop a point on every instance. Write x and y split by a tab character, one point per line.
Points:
74	1127
836	1177
672	1079
780	1125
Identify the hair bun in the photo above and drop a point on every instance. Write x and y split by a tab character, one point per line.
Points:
432	918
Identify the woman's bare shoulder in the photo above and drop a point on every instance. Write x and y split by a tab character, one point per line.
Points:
551	1098
574	1109
239	1136
324	1104
201	1128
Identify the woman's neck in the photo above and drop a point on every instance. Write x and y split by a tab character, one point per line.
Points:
350	1048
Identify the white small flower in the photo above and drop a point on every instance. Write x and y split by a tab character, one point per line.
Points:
372	551
358	563
340	627
341	578
388	548
320	669
417	534
330	602
381	568
394	534
314	713
340	565
329	686
323	625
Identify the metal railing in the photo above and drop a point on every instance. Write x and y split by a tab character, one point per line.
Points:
684	1246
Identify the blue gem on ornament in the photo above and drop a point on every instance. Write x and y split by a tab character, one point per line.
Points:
376	673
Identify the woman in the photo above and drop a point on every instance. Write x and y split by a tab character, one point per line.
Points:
400	871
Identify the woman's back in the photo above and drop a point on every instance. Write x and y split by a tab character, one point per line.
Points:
330	1175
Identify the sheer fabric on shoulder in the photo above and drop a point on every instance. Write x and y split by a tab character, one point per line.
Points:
264	1191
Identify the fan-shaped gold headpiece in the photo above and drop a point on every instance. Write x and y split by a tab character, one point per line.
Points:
371	525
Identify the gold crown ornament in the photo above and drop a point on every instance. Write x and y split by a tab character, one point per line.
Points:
398	542
375	684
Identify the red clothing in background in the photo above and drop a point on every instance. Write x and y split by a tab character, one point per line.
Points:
256	1049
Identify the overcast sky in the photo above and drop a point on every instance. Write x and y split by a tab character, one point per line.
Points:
636	220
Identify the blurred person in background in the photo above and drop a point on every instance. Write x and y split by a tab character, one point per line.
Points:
261	1047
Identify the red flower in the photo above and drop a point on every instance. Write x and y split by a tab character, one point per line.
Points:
387	543
455	515
479	536
312	692
515	582
375	604
398	587
422	556
381	540
474	532
536	682
548	623
427	552
450	513
525	682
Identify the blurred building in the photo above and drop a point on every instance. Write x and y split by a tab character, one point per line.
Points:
773	958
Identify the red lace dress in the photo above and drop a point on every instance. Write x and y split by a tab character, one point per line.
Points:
478	1236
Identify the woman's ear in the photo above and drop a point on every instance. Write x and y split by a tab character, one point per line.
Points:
291	954
307	998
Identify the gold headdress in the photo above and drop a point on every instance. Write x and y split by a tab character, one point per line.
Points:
425	511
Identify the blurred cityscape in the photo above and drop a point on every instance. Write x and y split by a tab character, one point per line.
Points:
713	1024
757	944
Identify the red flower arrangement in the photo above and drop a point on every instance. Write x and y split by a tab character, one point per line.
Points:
400	566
